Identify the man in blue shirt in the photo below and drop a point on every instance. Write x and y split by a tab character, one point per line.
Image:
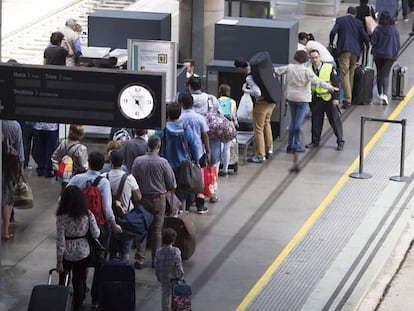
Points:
198	124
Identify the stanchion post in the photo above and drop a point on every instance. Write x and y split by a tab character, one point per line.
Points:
361	174
401	177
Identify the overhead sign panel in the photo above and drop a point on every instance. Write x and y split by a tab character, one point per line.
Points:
89	96
157	56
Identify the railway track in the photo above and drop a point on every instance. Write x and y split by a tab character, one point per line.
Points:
27	43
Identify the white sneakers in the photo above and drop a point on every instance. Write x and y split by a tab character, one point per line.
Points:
384	99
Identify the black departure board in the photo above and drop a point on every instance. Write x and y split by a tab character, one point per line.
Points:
89	96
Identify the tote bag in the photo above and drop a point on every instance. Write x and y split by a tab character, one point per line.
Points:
189	177
245	110
371	24
23	195
210	181
97	251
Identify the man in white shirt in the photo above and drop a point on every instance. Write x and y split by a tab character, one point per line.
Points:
130	194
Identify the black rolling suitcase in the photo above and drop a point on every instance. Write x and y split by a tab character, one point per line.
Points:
398	81
363	85
186	234
264	76
51	297
117	286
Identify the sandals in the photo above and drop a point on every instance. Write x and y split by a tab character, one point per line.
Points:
7	237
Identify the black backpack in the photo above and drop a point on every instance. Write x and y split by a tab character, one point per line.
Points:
261	68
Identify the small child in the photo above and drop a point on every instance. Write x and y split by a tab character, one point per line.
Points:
168	265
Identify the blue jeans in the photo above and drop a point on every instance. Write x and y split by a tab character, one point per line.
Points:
297	114
44	144
27	133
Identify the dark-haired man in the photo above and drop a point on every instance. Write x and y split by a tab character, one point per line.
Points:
351	34
134	147
155	177
203	103
129	195
262	112
198	124
189	66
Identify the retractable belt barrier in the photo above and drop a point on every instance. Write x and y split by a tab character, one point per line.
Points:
361	174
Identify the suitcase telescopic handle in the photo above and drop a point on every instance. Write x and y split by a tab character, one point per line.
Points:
49	281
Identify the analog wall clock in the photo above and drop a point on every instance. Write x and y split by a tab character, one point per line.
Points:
136	102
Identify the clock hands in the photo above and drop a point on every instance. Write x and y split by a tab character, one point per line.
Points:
135	96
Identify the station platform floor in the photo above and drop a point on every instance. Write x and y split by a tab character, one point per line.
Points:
276	240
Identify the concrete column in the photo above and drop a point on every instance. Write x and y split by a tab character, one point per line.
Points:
196	30
185	28
1	153
197	36
214	11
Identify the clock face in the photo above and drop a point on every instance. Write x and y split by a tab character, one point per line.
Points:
136	102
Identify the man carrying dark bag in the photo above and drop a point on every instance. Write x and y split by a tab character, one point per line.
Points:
324	102
155	178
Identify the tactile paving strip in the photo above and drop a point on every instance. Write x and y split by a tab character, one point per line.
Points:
289	287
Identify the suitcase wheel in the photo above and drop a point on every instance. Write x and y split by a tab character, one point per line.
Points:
235	167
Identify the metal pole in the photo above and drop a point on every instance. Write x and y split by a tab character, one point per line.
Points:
1	155
361	174
241	8
401	177
197	35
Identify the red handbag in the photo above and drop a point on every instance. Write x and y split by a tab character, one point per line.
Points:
210	180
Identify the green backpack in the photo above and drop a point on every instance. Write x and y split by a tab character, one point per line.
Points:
225	103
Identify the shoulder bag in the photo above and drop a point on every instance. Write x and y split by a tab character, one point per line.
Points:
370	23
23	195
220	127
189	177
97	250
173	204
118	208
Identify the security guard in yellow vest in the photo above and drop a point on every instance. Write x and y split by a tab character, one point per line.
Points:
324	102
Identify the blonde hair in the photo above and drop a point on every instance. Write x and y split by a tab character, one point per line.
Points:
76	132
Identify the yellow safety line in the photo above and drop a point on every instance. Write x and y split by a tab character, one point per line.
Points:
315	215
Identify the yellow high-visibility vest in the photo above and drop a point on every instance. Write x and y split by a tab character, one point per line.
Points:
325	75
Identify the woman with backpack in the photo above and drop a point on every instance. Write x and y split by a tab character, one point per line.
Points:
70	157
229	107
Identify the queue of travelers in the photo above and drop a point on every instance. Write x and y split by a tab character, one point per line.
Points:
143	169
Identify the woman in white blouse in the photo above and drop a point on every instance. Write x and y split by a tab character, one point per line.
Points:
72	248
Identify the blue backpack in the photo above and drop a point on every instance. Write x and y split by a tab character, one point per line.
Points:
225	103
